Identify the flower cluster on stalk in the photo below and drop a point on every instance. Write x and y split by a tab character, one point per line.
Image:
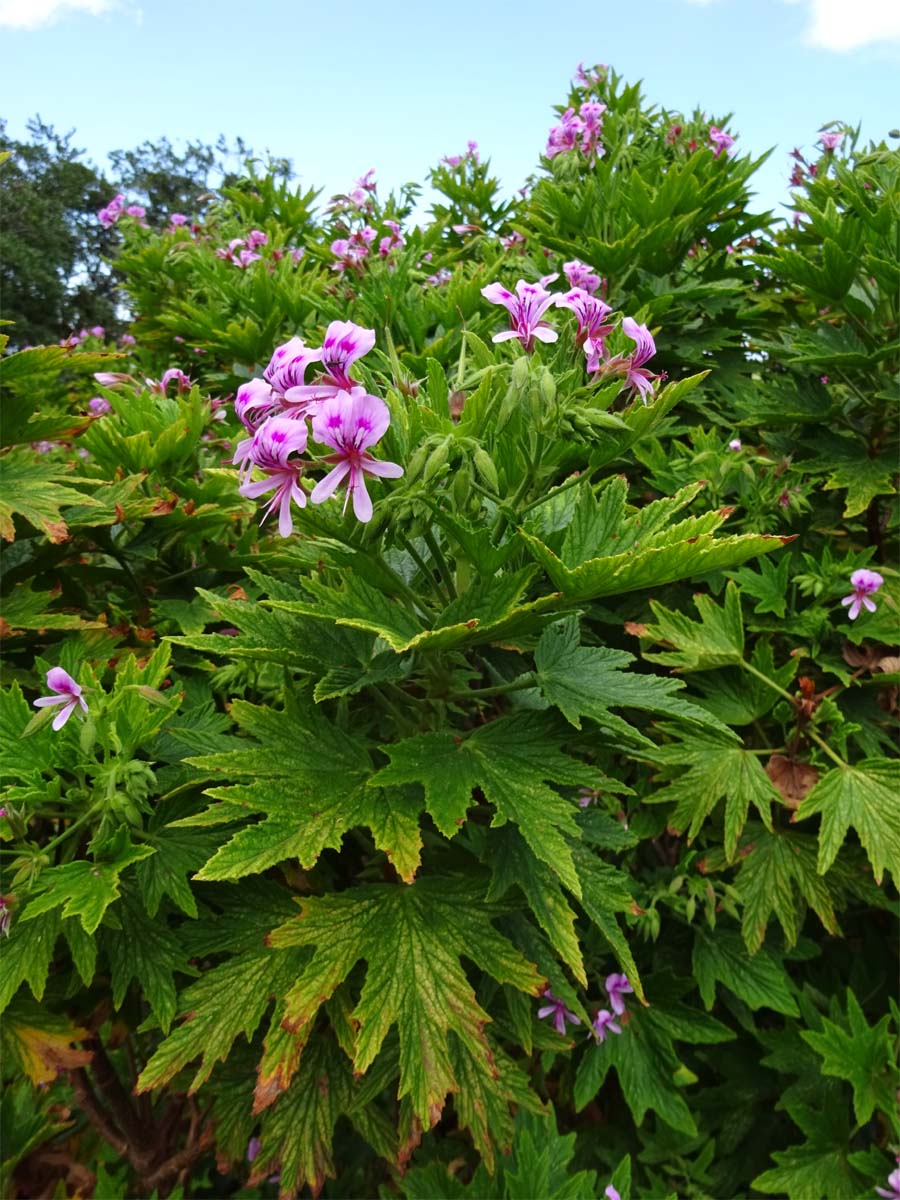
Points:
343	417
604	1022
530	301
578	131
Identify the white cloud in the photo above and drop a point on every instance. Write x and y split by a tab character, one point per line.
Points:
837	25
32	14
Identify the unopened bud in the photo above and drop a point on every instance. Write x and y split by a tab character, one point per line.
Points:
437	460
548	388
484	465
519	373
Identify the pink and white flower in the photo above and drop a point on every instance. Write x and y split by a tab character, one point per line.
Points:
558	1011
617	986
865	584
637	375
603	1024
830	141
591	312
581	276
721	140
69	697
351	423
271	449
525	308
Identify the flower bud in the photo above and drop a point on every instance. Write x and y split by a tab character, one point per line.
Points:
519	373
437	460
548	388
484	465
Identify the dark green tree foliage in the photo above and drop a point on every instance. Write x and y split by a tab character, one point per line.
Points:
579	701
54	279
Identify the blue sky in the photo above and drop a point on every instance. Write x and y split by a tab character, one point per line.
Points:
341	87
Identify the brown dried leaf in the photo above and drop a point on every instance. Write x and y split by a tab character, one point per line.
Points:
793	779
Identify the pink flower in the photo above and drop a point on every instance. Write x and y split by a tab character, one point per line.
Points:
830	141
99	406
823	379
525	309
176	219
645	348
255	238
136	210
581	276
111	212
128	340
367	182
111	378
254	403
344	343
270	449
558	1011
590	311
174	374
564	136
603	1024
287	366
246	257
395	241
352	422
97	331
515	239
720	139
591	114
611	1193
734	444
69	697
618	986
864	583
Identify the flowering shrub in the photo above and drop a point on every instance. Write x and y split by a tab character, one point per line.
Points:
442	760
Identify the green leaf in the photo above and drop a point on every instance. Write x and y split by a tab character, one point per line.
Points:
716	769
645	1061
307	777
613	575
866	796
717	640
86	889
411	940
27	955
768	586
819	1166
776	866
862	1055
509	760
296	1135
31	489
146	951
761	981
24	608
223	1003
586	681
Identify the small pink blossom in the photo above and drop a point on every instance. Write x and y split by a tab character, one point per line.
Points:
367	182
637	375
254	403
514	240
97	331
603	1024
823	379
69	697
176	219
581	276
173	375
98	406
111	212
564	136
721	140
830	141
351	423
617	986
558	1011
591	114
525	307
255	238
734	444
591	312
865	583
287	366
270	449
128	340
136	210
611	1194
111	378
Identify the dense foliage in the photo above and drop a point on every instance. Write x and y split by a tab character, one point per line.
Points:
523	824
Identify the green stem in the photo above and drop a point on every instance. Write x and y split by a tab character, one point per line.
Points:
517	685
76	824
427	576
437	555
809	732
563	487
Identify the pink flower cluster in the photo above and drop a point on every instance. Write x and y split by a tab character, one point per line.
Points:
526	308
579	130
721	141
604	1021
351	252
242	251
110	213
457	160
343	417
